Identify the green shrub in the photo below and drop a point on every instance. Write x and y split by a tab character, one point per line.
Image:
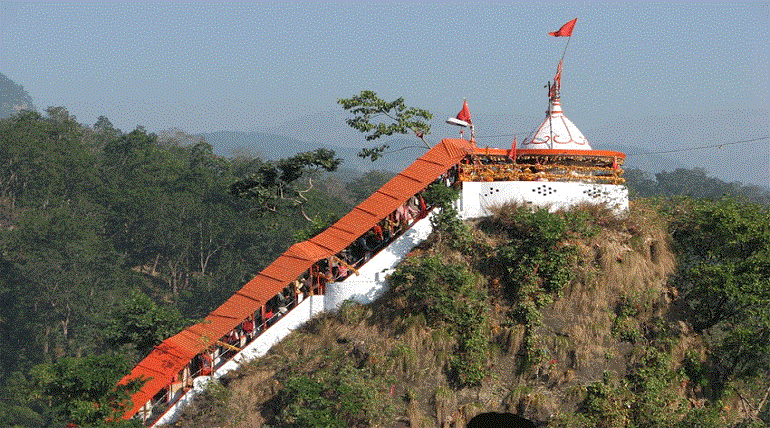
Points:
336	397
440	196
447	296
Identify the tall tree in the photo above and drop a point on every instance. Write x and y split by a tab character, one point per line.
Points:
276	186
398	119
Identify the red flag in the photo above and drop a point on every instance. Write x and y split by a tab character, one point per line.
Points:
565	30
465	113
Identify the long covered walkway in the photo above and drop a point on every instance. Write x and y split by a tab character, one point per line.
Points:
299	274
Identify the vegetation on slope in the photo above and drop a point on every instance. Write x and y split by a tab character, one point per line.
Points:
577	319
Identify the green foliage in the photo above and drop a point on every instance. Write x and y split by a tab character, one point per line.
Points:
690	182
646	397
275	184
724	277
706	417
366	106
342	397
625	326
656	403
446	223
440	195
447	295
450	229
536	263
82	390
96	223
533	261
606	404
141	324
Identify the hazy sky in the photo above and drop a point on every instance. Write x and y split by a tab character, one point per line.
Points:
209	67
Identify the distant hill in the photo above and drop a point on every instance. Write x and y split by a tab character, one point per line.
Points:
13	98
274	146
403	151
635	136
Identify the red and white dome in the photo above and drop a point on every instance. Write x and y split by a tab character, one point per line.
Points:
557	132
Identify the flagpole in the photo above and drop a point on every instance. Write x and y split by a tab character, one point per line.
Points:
565	48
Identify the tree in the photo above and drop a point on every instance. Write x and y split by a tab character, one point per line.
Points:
401	119
66	273
724	277
275	185
141	324
82	391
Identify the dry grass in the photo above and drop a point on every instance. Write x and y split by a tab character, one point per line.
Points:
627	262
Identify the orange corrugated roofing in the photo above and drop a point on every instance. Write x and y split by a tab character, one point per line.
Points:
168	358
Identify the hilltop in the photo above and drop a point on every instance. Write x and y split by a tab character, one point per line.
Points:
571	319
13	98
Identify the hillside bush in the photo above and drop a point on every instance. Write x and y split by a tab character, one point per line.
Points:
337	397
447	295
724	278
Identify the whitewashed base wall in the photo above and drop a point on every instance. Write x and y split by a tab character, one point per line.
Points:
477	198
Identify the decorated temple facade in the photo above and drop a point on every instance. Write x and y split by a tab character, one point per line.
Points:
553	167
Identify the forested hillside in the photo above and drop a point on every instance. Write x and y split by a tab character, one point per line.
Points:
111	241
691	182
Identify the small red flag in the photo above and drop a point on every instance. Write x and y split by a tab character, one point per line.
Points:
465	113
565	30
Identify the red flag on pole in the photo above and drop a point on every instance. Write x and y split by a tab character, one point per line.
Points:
565	30
465	113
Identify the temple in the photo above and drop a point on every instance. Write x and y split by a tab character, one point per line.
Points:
555	167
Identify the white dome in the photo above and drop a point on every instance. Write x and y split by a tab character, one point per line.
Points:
557	132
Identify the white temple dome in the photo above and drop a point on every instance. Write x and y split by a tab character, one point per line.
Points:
557	132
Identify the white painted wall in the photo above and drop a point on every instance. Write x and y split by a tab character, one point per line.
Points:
477	197
370	284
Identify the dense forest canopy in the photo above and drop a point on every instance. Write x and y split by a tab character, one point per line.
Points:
111	241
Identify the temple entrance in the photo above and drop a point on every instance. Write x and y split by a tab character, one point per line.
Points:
499	420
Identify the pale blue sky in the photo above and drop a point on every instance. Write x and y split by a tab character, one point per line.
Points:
207	67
